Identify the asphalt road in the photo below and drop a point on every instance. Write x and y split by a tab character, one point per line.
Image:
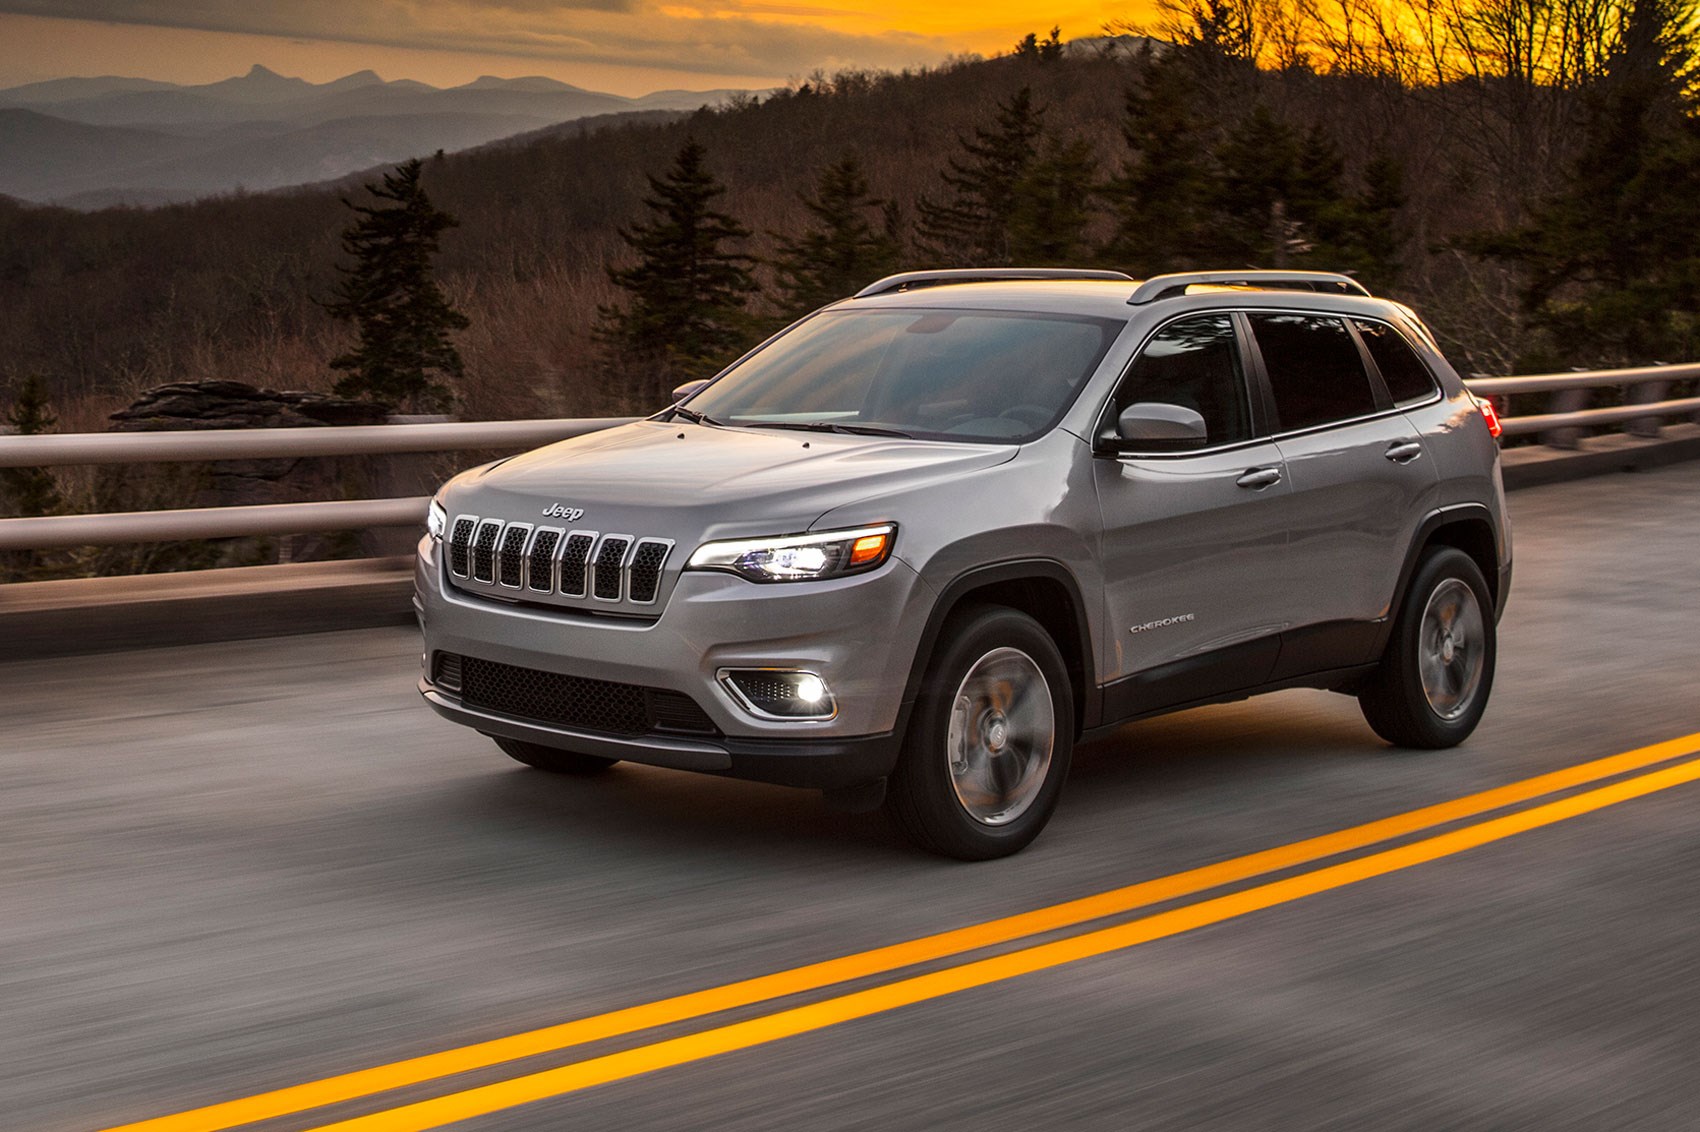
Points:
230	868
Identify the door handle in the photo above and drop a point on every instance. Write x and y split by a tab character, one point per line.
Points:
1404	451
1260	478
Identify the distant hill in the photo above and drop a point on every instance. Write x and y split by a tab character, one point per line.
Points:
69	90
103	304
93	142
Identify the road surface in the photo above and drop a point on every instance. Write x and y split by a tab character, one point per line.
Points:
227	869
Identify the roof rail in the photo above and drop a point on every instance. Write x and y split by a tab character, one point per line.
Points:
910	280
1168	286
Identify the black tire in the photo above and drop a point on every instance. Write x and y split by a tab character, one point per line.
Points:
996	644
553	759
1395	700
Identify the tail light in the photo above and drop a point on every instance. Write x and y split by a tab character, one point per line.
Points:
1490	415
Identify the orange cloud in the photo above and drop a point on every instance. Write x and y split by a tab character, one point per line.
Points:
762	42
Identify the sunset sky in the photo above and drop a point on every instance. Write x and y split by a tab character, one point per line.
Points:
624	46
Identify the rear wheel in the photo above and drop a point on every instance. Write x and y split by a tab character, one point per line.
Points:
1433	682
988	748
552	759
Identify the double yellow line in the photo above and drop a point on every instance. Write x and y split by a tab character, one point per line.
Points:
483	1099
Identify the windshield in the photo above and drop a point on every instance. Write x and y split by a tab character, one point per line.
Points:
934	374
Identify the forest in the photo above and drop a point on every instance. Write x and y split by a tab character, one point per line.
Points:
1523	172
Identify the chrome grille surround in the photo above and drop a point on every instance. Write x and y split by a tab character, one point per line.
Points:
484	550
555	566
575	563
608	568
460	545
541	563
644	569
511	555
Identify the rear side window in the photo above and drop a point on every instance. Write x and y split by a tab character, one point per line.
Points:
1314	368
1408	380
1194	363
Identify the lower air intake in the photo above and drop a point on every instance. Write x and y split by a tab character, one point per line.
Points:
603	706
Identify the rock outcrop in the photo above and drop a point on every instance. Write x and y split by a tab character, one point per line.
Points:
201	405
235	404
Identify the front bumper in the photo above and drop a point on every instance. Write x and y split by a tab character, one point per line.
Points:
860	633
818	762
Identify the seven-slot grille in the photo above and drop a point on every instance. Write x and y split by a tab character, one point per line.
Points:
556	562
569	701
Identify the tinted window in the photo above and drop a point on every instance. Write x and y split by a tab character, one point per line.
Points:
1315	370
961	375
1194	363
1407	378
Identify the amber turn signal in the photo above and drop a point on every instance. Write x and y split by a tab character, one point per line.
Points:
869	548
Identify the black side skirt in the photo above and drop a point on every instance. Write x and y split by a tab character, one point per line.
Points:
1330	655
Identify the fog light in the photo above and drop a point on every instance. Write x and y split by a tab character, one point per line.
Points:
776	693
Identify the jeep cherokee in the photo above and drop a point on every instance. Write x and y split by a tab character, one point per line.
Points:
917	545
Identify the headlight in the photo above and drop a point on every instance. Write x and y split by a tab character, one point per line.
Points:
799	558
436	521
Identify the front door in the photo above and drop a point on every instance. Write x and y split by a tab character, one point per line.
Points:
1193	534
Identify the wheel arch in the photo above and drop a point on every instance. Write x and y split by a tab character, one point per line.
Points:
1467	527
1042	588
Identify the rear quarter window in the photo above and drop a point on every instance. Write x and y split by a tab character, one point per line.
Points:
1408	379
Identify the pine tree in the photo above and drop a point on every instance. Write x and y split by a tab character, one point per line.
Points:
29	492
391	295
686	295
1053	205
971	228
1255	223
1159	197
1375	236
1317	197
1047	50
1612	259
842	250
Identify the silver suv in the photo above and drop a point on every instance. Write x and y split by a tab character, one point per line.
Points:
913	548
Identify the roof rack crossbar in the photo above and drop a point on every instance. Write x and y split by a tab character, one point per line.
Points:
910	280
1168	286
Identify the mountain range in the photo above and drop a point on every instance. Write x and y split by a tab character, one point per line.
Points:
93	142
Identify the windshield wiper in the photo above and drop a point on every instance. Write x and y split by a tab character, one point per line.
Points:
695	417
832	426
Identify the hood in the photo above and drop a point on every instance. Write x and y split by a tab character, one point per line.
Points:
691	482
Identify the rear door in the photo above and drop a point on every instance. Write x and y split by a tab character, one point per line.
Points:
1360	483
1192	535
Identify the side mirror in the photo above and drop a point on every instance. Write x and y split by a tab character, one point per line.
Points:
687	389
1166	424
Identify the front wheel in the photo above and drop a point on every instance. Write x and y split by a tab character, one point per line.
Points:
1433	682
987	751
553	759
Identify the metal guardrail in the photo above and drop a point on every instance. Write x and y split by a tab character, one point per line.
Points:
1559	427
59	531
288	443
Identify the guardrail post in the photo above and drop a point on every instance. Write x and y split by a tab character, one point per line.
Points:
1565	401
1646	394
